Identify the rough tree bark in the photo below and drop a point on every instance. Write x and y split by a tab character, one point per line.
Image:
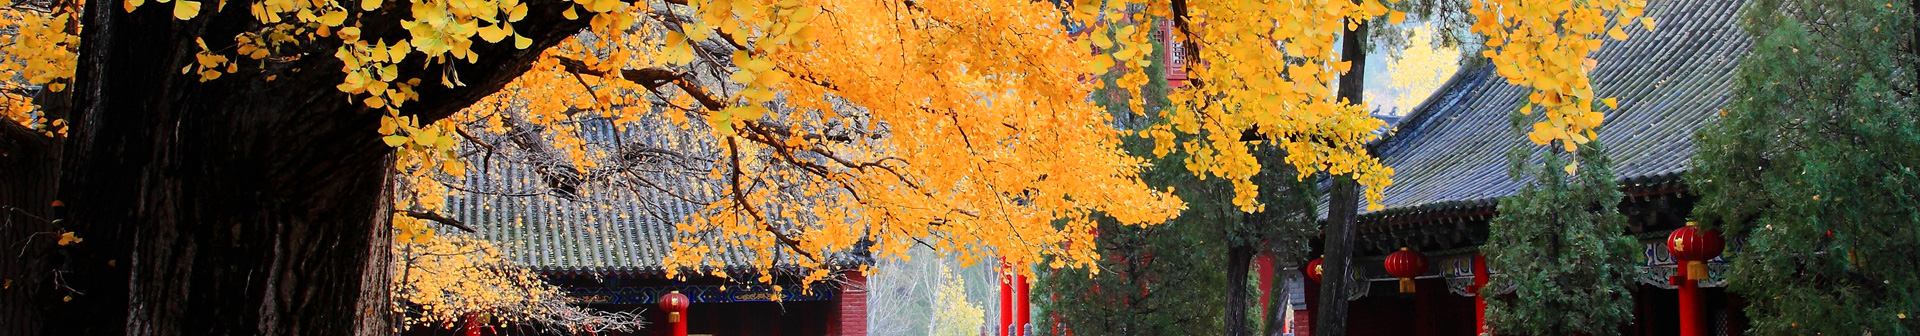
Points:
29	165
239	206
1239	259
1343	204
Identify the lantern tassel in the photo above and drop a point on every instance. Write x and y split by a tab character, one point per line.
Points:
1406	286
1697	270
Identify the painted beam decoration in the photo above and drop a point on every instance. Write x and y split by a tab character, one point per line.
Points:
699	294
1656	268
1458	270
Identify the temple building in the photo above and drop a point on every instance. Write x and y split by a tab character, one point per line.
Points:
602	235
1450	171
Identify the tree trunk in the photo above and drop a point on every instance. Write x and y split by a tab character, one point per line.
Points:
238	206
1342	204
1239	258
29	163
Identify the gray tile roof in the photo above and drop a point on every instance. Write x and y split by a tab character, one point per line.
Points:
619	217
1449	152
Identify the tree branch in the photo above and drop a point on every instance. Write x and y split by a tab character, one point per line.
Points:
740	198
435	216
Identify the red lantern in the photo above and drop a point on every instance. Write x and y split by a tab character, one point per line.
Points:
1695	246
1313	270
1406	264
675	304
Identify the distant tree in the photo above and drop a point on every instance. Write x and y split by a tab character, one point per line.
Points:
1562	242
907	296
1814	167
1152	280
1190	275
956	315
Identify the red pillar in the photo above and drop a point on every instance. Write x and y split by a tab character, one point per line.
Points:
1480	277
1022	316
1006	299
1266	262
1303	322
1690	323
1423	311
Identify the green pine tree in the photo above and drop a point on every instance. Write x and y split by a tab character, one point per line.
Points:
1562	243
1815	166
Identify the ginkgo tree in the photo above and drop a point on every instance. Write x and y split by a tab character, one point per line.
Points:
228	162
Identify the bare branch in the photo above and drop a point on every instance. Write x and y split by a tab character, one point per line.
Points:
435	216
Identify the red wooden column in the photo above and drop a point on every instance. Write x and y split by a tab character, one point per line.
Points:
1006	299
1266	262
1303	322
1690	322
1691	247
1022	316
1423	311
1480	277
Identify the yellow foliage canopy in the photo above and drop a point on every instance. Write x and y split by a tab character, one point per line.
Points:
439	281
962	125
1545	46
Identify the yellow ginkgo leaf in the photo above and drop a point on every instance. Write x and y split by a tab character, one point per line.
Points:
521	42
1612	103
1617	34
186	9
743	76
605	6
334	19
369	5
1396	17
492	34
518	12
399	51
1647	21
68	238
130	5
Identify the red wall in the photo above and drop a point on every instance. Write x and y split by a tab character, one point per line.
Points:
850	307
1384	311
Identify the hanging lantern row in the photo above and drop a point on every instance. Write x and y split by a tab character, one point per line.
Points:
1695	246
1406	264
